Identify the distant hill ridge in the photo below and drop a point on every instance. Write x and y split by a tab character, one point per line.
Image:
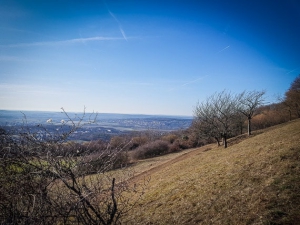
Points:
120	122
43	116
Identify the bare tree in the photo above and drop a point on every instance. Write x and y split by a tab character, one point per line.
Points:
248	103
205	122
292	98
217	115
45	179
239	123
295	85
225	107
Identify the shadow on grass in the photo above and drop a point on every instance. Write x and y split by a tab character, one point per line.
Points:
283	207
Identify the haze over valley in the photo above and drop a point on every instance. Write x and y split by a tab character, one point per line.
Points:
104	126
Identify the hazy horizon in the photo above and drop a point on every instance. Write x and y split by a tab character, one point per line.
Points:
95	112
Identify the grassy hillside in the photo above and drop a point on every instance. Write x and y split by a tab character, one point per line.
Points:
256	180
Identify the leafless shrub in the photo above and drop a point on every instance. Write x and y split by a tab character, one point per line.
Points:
175	147
47	180
152	149
270	115
138	141
170	138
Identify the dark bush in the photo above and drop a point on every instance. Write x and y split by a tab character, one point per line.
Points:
174	147
137	142
170	138
152	149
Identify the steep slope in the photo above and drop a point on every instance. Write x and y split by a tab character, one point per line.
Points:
256	181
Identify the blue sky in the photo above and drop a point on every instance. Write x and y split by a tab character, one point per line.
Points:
143	57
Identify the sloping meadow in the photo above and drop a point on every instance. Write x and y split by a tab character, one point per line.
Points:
255	181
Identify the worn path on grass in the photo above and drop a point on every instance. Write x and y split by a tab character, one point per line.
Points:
150	166
156	166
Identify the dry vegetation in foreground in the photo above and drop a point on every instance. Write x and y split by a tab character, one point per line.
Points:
255	180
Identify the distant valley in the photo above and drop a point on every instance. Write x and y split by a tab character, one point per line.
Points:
103	127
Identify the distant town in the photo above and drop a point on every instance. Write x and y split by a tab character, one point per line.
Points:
91	126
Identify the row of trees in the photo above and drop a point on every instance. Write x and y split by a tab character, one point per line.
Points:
222	115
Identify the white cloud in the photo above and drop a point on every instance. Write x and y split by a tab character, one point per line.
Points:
6	88
5	58
70	41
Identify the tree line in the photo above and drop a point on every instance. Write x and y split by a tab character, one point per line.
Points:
222	115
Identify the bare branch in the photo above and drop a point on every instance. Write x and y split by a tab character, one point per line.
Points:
45	179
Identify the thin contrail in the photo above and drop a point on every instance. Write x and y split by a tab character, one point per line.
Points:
70	41
113	16
123	33
223	49
190	82
200	78
120	26
291	71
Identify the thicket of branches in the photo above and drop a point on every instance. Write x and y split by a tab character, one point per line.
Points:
148	144
292	99
47	180
222	115
288	108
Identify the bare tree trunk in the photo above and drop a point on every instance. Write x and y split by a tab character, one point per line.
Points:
114	207
225	141
240	127
218	141
249	126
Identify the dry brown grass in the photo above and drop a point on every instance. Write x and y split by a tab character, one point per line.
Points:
256	180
